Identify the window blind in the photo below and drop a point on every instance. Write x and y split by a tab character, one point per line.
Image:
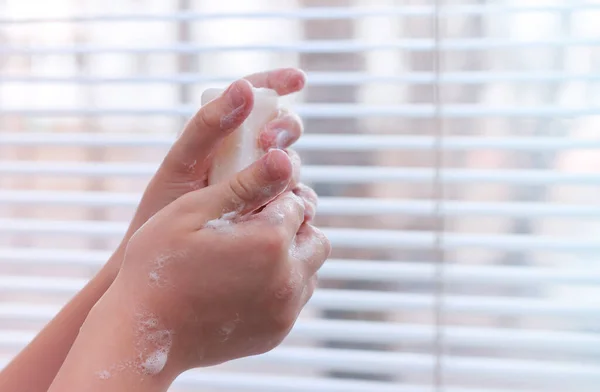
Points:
455	147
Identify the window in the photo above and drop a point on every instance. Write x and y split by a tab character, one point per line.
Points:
455	146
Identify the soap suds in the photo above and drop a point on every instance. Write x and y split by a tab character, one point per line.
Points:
155	362
224	223
155	275
305	249
282	139
153	344
276	215
103	374
227	329
192	166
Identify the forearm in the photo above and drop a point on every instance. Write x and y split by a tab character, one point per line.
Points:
119	348
34	368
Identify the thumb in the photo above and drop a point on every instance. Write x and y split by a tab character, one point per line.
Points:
254	186
207	128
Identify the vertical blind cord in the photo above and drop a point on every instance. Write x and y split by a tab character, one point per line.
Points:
438	196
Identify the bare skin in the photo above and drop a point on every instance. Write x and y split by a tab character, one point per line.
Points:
182	171
206	280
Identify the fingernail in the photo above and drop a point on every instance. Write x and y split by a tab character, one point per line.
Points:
283	139
234	96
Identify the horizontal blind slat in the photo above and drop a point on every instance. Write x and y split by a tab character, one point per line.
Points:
543	372
326	142
331	111
315	173
362	361
393	333
350	238
330	205
313	46
311	13
358	300
322	78
371	270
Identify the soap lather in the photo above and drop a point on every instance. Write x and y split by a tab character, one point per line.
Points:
241	147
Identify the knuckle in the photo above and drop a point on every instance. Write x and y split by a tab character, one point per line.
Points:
282	321
205	118
274	241
323	242
296	203
240	188
287	288
311	195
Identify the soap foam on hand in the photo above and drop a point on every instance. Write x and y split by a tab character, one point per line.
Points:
241	148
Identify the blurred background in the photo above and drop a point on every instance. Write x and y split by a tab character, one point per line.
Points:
455	146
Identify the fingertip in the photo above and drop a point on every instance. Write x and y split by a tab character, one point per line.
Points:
277	165
296	80
239	101
244	87
281	132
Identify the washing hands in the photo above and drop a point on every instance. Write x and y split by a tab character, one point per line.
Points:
205	274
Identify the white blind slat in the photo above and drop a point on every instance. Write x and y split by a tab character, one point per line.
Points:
315	46
460	10
374	301
323	78
362	361
331	205
315	173
368	270
370	142
340	237
311	111
390	333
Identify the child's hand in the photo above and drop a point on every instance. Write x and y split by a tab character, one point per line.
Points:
208	280
185	167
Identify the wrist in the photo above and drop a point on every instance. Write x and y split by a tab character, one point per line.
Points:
148	338
113	352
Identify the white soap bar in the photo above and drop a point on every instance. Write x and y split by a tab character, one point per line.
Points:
241	147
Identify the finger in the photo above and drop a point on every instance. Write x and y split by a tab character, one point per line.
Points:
310	199
251	188
208	127
282	132
311	248
284	80
287	211
296	168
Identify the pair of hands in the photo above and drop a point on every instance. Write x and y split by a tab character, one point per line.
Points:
210	274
